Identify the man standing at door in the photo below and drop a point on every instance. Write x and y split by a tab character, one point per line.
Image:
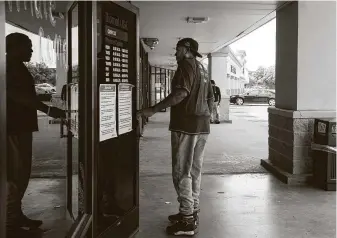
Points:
216	104
22	106
191	103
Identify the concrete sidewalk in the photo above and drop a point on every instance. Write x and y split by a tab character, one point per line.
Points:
232	206
238	198
242	206
231	148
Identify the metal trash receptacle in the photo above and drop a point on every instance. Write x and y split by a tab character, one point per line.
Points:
324	166
325	131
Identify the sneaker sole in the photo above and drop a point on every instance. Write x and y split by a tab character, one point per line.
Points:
184	233
187	233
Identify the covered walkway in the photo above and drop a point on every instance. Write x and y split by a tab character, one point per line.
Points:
239	199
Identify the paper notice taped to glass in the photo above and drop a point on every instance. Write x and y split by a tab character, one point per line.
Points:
107	111
124	108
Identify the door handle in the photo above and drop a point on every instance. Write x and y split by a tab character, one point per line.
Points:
62	124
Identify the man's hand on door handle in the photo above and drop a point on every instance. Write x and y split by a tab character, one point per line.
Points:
147	112
56	113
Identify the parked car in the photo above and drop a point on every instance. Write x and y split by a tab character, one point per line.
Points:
47	87
256	96
43	94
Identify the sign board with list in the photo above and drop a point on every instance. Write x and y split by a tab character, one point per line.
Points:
107	111
116	50
124	108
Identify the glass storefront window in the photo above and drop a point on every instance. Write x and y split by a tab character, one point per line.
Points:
77	201
47	68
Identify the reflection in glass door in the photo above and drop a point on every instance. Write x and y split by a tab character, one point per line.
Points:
75	168
48	66
79	116
53	31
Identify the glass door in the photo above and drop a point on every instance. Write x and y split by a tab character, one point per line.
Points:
73	166
3	156
77	92
61	167
52	30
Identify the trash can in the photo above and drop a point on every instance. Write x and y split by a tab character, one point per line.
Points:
325	131
324	154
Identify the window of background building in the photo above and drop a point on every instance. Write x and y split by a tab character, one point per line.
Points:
233	69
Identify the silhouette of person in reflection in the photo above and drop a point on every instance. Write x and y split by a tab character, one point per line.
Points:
22	106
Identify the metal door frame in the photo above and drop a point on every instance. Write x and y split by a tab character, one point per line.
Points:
86	72
3	124
70	7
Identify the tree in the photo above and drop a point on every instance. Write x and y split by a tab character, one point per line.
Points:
262	77
41	73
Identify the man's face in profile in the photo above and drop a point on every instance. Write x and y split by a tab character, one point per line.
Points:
23	51
180	53
26	51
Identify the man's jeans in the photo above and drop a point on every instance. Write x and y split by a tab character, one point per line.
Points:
215	112
19	162
187	160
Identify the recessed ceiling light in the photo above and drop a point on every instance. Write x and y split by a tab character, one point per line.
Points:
197	20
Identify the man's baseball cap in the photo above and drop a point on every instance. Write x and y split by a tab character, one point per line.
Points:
190	44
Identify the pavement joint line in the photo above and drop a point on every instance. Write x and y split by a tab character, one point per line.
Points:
152	175
158	175
48	177
207	174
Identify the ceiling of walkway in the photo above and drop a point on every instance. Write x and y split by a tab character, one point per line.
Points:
228	21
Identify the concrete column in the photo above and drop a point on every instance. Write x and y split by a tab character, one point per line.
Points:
237	86
217	68
233	83
230	84
305	86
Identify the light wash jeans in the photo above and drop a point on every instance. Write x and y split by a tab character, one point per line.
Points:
187	160
215	112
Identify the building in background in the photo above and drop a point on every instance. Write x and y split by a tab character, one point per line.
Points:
237	73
